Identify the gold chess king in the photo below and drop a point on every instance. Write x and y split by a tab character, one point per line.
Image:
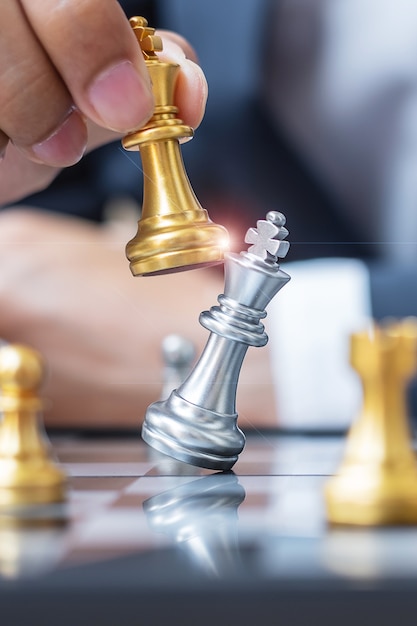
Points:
174	232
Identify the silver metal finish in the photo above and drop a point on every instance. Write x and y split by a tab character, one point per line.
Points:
201	517
267	237
197	424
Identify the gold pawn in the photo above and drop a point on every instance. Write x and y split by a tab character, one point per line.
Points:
377	481
174	232
28	475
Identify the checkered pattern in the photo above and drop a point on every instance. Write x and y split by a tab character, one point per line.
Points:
126	499
110	480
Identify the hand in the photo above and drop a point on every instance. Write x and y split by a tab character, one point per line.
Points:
66	290
73	77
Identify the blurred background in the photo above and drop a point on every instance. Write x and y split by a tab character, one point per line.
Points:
312	111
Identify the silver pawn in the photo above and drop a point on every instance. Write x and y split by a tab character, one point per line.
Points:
178	355
197	424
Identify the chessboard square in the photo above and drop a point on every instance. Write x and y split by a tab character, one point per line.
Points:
107	469
119	527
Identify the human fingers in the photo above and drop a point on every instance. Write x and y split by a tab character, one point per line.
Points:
33	101
181	42
191	88
4	140
70	60
21	177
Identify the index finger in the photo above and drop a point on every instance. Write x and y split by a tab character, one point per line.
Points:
191	90
92	45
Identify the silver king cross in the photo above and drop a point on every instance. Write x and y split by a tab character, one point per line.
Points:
267	237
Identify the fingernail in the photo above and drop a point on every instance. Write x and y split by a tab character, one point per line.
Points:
66	145
121	97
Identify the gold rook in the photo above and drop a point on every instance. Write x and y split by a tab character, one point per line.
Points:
377	481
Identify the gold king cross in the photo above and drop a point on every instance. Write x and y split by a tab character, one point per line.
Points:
148	41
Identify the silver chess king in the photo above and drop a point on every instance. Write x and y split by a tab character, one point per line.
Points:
197	424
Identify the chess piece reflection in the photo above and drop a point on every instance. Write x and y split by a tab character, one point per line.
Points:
28	475
28	551
377	481
367	555
174	232
197	424
201	517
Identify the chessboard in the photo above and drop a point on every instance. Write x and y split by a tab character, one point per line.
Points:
144	539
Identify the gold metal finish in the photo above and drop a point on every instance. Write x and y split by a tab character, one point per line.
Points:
377	481
28	475
174	232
